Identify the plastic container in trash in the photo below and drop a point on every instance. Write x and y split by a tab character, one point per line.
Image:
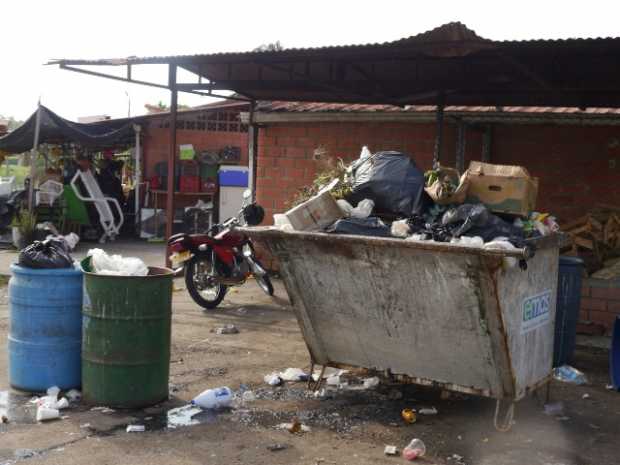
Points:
45	328
126	348
437	314
567	310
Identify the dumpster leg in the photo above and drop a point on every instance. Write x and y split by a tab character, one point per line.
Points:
319	381
507	423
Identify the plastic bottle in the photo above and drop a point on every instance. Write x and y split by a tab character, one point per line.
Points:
414	449
214	398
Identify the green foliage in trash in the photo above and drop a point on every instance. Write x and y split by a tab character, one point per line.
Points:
448	183
331	168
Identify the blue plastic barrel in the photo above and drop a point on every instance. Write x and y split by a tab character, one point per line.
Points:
45	336
567	310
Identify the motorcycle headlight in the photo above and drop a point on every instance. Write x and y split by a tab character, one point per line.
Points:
247	250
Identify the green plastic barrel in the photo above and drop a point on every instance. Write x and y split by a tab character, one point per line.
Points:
126	338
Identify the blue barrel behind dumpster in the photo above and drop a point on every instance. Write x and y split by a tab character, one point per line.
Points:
567	310
45	333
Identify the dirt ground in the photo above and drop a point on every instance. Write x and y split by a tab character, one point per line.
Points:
347	426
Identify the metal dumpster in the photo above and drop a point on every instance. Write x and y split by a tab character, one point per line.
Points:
436	314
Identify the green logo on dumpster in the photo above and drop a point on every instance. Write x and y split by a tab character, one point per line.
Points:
536	311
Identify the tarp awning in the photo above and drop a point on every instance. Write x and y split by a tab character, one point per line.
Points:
57	130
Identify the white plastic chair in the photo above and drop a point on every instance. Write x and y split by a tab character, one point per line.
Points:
106	216
48	192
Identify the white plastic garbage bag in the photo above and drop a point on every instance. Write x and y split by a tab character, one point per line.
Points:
363	209
116	265
345	206
501	243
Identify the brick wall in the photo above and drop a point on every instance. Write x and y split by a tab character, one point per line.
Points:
600	302
578	166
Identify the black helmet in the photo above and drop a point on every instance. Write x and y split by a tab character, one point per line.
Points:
253	214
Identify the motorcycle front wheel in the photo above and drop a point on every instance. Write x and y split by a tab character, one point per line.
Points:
264	283
200	283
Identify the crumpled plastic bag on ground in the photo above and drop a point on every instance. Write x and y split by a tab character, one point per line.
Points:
116	265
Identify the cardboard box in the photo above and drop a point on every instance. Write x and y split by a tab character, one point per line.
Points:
502	188
316	213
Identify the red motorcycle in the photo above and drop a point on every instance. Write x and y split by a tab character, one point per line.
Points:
221	258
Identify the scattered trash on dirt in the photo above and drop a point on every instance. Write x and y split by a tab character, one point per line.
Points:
333	380
295	427
214	398
568	374
428	411
585	396
45	413
183	416
328	373
136	428
24	453
273	379
248	396
241	311
458	459
277	447
103	409
416	448
370	383
73	395
409	415
293	374
555	408
226	329
390	450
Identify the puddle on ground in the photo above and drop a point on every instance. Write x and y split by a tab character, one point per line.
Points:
16	408
187	415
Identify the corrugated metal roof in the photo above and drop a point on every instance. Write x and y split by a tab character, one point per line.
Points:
455	32
317	107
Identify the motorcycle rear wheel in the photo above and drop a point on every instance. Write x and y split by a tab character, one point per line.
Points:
205	293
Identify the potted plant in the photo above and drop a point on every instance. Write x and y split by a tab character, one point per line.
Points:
23	224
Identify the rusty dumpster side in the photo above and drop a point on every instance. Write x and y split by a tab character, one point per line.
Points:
438	314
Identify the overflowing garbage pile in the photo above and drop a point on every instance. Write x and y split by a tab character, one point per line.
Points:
385	194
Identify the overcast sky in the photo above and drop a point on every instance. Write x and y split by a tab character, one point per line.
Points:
35	31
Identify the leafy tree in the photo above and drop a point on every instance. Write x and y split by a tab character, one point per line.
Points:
270	47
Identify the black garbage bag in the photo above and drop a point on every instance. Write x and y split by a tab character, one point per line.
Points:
371	226
393	181
476	220
45	254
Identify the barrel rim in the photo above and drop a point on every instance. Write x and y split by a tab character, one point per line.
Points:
18	269
162	272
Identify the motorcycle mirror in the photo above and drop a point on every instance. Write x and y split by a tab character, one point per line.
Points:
247	194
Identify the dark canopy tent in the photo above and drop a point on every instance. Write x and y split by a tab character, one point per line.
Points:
57	130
